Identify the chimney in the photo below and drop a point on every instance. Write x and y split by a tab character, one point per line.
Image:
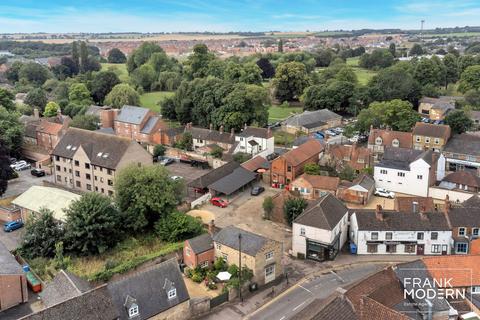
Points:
211	127
245	126
269	131
36	113
423	213
447	204
221	128
415	207
232	132
379	213
211	227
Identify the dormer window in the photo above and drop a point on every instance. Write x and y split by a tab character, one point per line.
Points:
395	143
133	311
172	293
378	141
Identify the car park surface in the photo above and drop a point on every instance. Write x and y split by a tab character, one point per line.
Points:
24	181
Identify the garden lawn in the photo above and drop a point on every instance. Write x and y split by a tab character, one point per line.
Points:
353	62
150	100
364	75
119	68
278	113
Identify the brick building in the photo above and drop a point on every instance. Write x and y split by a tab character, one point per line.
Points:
314	186
13	282
199	251
430	136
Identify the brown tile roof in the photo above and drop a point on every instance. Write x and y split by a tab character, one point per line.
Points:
352	152
462	269
372	309
465	143
463	177
303	152
49	127
321	182
387	136
405	204
256	163
339	309
401	221
432	130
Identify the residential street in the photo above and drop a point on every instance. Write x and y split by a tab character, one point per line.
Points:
319	287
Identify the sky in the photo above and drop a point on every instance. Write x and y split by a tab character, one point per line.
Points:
231	15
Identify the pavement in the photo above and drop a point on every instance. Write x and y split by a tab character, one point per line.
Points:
187	172
23	183
11	240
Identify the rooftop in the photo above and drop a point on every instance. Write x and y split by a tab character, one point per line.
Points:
324	213
64	286
432	130
388	136
304	152
256	163
251	243
8	263
201	243
255	132
400	158
132	114
465	143
307	118
321	182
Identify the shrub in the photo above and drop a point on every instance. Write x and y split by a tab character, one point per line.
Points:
220	265
178	226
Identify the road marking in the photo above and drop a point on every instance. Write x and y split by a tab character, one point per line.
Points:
301	304
304	288
337	275
282	318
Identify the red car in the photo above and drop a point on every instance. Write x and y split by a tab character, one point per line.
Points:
219	202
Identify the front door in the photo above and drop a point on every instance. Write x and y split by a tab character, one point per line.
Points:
269	273
420	249
444	250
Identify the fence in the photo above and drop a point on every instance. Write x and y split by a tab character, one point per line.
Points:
454	195
201	200
214	302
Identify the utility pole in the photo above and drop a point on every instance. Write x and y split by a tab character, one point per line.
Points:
421	28
240	266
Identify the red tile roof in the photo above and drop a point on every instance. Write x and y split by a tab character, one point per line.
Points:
432	130
387	136
321	182
303	152
462	269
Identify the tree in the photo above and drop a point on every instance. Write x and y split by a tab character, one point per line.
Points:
347	173
34	73
280	45
292	208
268	207
11	130
159	150
472	98
324	57
334	96
199	61
121	95
83	57
6	99
178	226
470	79
393	49
143	77
217	152
451	69
312	169
416	50
425	72
459	121
145	195
93	224
5	170
66	68
268	71
75	55
116	56
79	94
85	121
186	142
36	98
141	55
101	85
397	114
379	58
241	157
51	109
290	81
42	232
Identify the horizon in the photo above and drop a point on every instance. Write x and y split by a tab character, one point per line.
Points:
224	16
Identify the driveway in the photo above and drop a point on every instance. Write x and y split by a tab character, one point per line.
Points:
24	181
246	212
187	172
11	240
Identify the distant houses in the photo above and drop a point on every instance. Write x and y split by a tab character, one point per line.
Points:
311	121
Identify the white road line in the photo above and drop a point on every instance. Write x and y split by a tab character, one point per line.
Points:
304	288
282	318
301	304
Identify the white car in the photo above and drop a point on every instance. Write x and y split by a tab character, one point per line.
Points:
353	139
380	192
330	133
339	130
18	163
176	178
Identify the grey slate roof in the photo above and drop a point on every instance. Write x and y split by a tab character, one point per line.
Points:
8	264
251	243
132	114
201	243
400	158
400	221
234	181
211	135
106	131
214	175
93	143
311	117
64	286
324	213
147	287
150	124
255	132
365	181
464	144
95	304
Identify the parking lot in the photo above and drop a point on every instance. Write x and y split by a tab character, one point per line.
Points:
186	171
24	181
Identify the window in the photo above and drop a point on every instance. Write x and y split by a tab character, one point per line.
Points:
461	231
388	236
383	171
270	270
172	293
59	178
372	248
475	232
225	256
427	139
57	158
269	255
64	169
409	248
58	168
418	139
110	192
434	235
395	143
420	236
436	248
437	141
391	248
109	171
77	173
103	190
289	168
110	182
378	141
361	160
133	311
77	163
461	247
204	264
87	165
88	176
419	177
401	174
476	290
302	231
187	251
89	187
78	184
374	236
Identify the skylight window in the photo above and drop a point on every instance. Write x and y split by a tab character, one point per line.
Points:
74	148
99	154
105	155
69	147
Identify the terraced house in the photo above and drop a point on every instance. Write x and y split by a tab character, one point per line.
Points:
430	136
88	161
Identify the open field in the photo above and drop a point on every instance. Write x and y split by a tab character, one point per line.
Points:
150	99
277	113
353	62
455	34
364	75
119	69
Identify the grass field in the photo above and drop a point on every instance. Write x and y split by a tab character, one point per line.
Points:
119	69
353	62
454	34
277	113
150	99
364	75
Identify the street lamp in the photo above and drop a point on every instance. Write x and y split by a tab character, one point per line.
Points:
240	266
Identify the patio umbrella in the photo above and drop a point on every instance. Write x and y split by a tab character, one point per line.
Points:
224	276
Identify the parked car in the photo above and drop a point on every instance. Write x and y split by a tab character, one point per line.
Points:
166	161
353	139
12	226
425	120
13	160
330	133
176	178
380	192
18	163
23	166
338	130
319	135
219	202
256	191
38	172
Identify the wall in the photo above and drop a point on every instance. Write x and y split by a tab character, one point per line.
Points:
454	195
13	290
8	214
199	201
192	259
179	312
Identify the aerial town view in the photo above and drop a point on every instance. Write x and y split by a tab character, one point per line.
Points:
227	160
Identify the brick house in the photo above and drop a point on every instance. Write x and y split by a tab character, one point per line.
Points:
13	282
461	180
436	108
430	136
199	251
380	138
357	158
313	186
261	255
359	191
465	222
290	165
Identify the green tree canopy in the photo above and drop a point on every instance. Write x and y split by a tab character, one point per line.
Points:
36	98
79	94
312	168
11	130
290	81
102	83
6	99
293	207
116	56
34	73
5	170
85	121
51	109
416	50
459	121
178	226
379	58
470	79
141	55
121	95
199	61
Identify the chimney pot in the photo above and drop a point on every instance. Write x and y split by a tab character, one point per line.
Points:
211	227
36	113
221	128
232	132
378	212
